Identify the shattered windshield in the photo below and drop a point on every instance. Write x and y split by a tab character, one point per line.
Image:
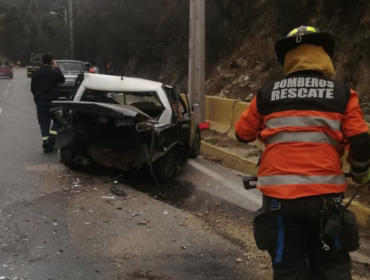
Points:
71	66
147	102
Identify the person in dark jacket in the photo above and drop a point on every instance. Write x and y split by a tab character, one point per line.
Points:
45	89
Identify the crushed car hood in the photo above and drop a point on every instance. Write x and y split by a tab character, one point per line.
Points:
102	109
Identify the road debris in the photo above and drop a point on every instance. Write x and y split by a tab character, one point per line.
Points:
238	260
77	183
165	212
142	223
118	190
108	197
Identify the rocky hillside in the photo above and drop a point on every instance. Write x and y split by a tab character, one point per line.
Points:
252	61
240	43
149	38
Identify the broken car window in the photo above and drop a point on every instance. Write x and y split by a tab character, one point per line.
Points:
147	102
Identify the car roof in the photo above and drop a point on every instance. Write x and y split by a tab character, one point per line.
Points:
117	83
66	60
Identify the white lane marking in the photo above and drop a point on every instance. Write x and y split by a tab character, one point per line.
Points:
1	110
9	85
6	93
252	196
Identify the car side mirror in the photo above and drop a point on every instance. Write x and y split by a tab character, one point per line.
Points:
195	104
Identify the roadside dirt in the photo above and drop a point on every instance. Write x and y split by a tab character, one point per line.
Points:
150	234
200	211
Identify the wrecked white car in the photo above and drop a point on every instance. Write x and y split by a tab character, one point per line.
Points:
127	123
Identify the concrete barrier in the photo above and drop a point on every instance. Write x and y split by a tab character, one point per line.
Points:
219	112
238	110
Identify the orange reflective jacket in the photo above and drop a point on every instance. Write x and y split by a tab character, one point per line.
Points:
305	121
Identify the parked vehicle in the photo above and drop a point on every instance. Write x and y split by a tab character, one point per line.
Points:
6	70
70	69
35	63
127	123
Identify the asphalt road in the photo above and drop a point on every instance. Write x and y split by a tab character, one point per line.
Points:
58	224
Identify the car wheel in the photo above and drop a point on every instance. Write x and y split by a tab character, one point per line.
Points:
165	168
195	150
67	158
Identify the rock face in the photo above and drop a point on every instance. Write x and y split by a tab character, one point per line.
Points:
150	38
240	43
265	21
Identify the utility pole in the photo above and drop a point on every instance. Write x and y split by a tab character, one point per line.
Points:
66	30
197	57
71	32
66	27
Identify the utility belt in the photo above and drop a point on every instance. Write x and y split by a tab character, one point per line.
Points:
274	204
337	223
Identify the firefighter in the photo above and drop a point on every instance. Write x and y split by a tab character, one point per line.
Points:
306	120
45	89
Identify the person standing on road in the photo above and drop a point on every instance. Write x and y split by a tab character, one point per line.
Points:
306	120
95	69
109	69
45	89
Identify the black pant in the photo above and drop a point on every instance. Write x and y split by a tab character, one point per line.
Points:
296	230
45	117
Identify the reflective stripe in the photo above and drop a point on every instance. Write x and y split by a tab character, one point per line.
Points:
45	138
303	121
277	180
309	28
301	29
53	132
314	137
294	31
